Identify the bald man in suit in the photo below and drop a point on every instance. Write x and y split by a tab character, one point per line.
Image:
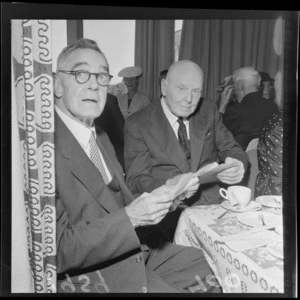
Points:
154	150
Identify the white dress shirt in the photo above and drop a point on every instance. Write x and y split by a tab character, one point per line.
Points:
173	119
82	134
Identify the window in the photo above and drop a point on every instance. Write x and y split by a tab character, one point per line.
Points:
116	38
178	28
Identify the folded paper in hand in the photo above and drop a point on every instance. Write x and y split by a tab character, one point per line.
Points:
181	183
209	172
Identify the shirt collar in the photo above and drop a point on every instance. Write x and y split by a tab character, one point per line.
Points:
172	118
81	133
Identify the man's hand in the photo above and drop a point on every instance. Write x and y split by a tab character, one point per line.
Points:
234	174
225	96
151	208
184	185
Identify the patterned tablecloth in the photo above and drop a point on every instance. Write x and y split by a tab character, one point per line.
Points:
250	271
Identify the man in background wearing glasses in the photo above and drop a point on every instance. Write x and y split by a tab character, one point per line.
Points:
103	243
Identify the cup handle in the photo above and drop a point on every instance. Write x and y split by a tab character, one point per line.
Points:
221	191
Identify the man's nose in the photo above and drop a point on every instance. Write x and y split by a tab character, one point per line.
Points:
92	83
189	97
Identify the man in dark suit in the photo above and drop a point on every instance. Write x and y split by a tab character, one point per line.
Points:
101	233
249	114
112	122
154	149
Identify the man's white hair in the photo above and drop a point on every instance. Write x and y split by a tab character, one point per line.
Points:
248	75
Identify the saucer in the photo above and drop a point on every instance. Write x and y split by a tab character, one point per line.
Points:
252	219
276	249
270	201
279	230
251	206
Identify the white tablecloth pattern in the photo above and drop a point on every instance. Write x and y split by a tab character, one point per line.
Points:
250	271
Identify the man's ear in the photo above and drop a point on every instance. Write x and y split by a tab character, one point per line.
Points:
164	85
57	86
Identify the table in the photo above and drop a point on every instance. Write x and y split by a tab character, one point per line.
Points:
250	271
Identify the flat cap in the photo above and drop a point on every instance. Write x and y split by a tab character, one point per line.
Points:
130	72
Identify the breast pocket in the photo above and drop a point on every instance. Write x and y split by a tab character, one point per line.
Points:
209	143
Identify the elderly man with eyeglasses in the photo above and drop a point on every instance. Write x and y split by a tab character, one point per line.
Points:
103	241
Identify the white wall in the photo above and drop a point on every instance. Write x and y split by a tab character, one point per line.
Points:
59	39
116	39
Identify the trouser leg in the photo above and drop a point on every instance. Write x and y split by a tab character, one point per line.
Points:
183	268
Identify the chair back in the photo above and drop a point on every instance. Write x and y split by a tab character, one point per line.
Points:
252	171
252	144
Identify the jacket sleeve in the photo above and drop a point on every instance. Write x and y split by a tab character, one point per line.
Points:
87	235
138	161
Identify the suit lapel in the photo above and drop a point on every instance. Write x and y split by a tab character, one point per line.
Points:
198	124
115	169
165	137
82	167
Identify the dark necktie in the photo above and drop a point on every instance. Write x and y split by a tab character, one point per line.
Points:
95	157
183	139
129	101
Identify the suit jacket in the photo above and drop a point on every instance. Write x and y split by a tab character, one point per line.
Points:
246	120
153	154
138	101
112	122
98	249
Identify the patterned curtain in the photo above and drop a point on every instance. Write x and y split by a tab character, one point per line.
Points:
33	98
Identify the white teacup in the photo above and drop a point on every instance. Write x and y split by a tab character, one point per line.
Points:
237	194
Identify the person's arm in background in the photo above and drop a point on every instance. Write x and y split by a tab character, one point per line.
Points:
229	111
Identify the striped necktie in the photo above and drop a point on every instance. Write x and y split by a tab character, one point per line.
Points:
183	139
96	158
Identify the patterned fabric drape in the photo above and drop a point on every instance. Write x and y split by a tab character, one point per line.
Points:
33	92
222	46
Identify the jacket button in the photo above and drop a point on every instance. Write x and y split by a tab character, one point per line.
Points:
138	258
144	289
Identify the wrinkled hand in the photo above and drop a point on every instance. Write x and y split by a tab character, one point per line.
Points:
225	96
234	174
151	208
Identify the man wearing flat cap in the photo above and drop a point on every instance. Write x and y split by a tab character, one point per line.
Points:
134	100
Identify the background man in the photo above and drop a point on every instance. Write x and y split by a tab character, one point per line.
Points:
134	99
246	117
177	135
112	122
102	240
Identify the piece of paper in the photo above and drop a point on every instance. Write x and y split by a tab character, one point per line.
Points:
180	183
208	173
246	241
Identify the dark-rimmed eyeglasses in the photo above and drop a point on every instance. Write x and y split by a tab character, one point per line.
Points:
81	76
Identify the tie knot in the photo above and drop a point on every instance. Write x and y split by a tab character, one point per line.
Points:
180	120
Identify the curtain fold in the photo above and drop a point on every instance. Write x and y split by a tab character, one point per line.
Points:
222	46
33	98
154	52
